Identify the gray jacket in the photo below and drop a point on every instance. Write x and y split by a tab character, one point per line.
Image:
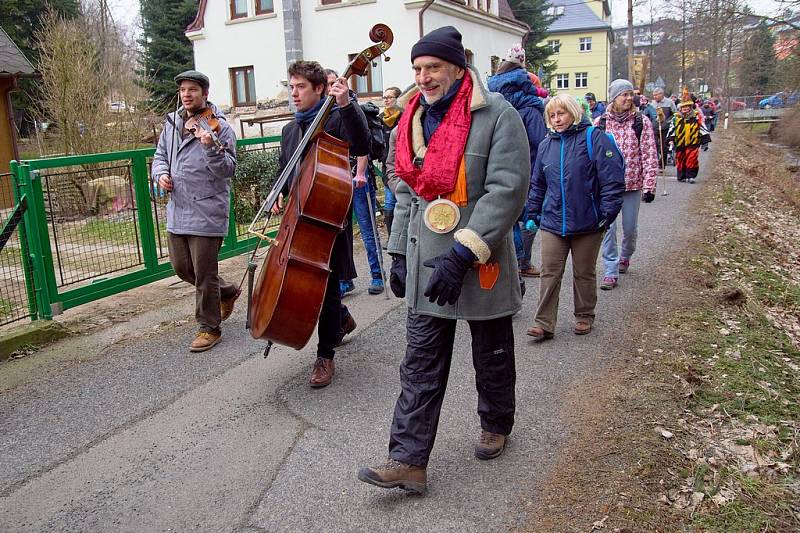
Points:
199	203
498	175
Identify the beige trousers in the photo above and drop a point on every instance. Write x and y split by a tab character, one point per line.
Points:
584	250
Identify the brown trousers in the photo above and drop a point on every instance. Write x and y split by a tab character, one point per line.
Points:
194	259
584	249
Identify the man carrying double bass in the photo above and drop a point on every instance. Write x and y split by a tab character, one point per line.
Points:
308	86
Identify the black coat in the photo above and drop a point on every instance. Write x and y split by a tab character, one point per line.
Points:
350	125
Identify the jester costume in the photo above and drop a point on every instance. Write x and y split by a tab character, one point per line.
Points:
688	134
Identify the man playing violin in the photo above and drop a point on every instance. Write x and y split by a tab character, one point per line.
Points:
196	165
308	85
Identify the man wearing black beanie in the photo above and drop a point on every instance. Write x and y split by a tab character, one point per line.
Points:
459	162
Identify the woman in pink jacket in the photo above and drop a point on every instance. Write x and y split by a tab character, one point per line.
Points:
633	134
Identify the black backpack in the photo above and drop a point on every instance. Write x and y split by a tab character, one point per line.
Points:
638	125
377	144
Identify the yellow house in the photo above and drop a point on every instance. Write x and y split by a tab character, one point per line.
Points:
581	40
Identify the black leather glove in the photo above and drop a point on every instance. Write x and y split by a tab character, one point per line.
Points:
448	274
705	147
648	197
397	275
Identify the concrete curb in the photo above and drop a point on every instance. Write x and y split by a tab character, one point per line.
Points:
33	334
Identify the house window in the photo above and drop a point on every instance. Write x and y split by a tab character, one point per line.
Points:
330	2
371	83
494	63
585	44
470	57
243	86
562	81
554	45
581	80
264	7
555	11
238	9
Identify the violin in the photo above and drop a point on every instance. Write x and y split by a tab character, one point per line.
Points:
205	121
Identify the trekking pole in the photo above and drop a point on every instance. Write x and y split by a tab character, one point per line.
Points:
660	117
378	247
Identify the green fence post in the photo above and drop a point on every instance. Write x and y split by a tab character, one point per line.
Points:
39	243
231	238
30	287
144	210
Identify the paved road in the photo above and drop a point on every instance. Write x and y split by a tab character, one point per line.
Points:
126	430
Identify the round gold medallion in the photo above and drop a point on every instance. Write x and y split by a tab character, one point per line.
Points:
442	216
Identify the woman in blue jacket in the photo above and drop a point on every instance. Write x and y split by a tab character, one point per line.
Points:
576	193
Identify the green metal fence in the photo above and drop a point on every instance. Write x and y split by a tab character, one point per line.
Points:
94	226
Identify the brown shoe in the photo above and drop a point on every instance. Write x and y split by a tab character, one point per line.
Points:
226	305
348	327
205	340
531	272
394	474
582	328
490	445
539	334
324	369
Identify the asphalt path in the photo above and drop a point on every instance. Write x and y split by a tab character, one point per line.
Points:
131	432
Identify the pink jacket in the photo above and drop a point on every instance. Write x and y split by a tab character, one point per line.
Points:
641	160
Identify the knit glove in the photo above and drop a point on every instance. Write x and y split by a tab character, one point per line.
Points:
531	225
397	275
648	196
449	270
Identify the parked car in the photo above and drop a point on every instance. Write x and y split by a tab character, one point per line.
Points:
781	99
119	106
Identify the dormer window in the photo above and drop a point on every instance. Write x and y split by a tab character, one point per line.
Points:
555	11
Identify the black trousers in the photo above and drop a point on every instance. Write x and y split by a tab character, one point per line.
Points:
423	381
331	317
662	146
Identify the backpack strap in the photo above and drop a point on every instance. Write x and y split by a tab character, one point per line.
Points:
589	146
638	126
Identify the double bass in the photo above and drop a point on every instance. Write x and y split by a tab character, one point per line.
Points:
285	303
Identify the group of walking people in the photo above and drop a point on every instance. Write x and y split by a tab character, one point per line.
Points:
472	175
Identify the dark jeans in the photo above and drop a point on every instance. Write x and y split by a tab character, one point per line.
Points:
423	381
194	259
361	208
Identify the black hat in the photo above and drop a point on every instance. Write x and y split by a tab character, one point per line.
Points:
591	96
444	43
195	76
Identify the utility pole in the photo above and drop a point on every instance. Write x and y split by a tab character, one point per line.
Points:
630	40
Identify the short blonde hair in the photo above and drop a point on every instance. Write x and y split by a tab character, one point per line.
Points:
565	102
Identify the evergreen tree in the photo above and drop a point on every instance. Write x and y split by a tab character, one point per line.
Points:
166	50
757	69
534	14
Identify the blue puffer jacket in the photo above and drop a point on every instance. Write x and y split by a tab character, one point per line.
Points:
518	89
571	192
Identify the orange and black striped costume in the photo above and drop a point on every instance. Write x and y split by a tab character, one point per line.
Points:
687	134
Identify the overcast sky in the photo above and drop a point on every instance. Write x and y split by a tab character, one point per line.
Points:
127	11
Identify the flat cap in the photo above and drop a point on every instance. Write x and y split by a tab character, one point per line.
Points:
195	76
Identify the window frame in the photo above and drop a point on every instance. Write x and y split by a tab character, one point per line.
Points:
251	98
582	44
259	12
584	77
232	10
368	79
562	78
555	46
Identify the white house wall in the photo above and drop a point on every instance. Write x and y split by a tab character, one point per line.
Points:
329	35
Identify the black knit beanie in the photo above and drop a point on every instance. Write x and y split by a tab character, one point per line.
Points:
444	43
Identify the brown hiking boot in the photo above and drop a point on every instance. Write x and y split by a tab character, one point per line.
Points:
226	305
490	445
531	272
539	334
348	327
324	369
394	474
205	340
582	328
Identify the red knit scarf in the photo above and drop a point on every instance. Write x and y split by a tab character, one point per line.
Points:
439	170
